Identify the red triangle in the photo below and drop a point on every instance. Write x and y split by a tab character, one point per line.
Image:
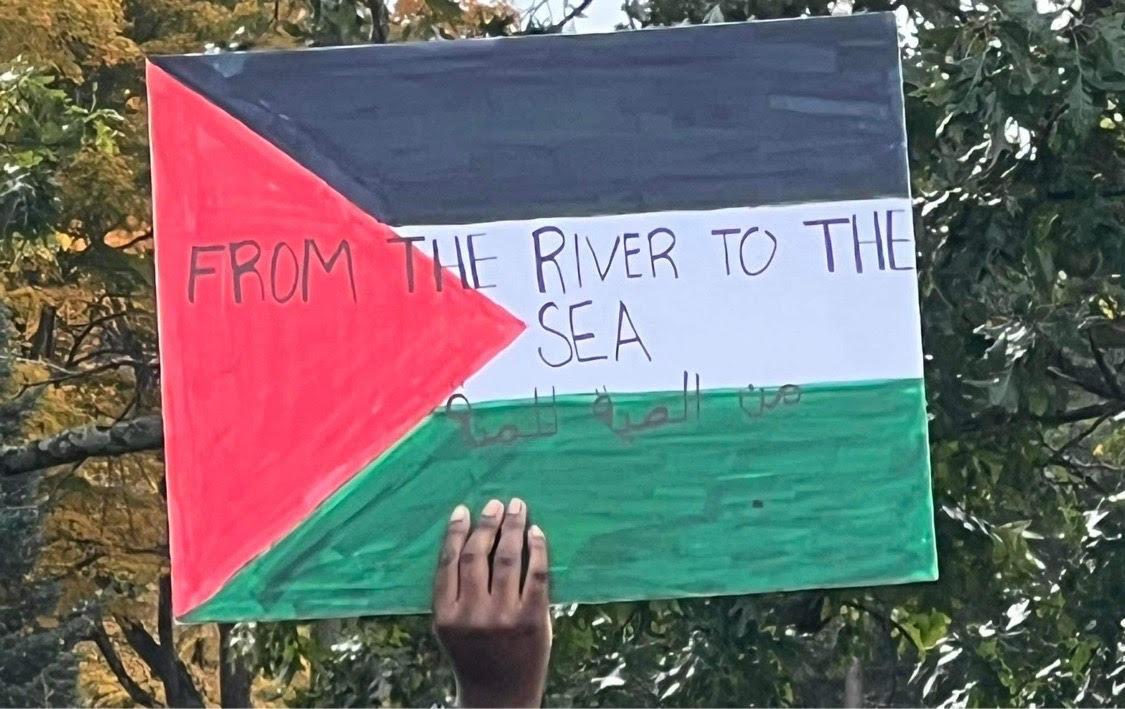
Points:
268	406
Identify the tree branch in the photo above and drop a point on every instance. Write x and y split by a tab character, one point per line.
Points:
1076	468
1107	374
78	374
883	617
1071	194
1111	408
1084	413
179	687
142	643
87	329
1081	377
143	433
134	241
1060	454
574	12
136	692
1071	377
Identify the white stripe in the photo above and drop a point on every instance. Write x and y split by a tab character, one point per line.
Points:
795	322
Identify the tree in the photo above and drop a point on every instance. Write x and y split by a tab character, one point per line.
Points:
1017	144
1016	147
76	270
37	666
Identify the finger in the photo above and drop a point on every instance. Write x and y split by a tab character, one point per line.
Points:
535	591
445	580
473	567
508	558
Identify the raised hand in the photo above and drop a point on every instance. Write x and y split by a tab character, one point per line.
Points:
491	607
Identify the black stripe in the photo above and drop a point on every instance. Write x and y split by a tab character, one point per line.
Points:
573	125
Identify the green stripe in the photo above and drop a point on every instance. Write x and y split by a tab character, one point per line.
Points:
831	491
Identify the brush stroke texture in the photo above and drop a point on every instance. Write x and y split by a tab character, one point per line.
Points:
483	130
272	402
833	491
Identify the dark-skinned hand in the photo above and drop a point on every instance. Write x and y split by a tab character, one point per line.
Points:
490	606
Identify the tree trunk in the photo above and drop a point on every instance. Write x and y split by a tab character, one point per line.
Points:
380	21
161	657
325	632
43	341
853	685
234	678
179	687
135	691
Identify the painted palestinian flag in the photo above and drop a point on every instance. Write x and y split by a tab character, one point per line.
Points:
660	284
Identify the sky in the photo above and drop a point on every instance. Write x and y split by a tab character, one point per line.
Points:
601	16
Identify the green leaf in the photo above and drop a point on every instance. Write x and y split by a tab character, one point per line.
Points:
445	9
1081	113
1038	401
1113	34
1082	655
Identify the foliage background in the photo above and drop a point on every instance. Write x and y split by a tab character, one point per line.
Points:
1017	143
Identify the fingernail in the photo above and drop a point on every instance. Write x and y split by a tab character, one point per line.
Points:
460	514
515	506
535	531
493	508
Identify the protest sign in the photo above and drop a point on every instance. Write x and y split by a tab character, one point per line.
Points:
659	284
